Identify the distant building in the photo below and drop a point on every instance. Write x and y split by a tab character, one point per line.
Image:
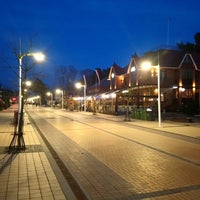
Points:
133	86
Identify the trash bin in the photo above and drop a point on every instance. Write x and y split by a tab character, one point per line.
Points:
137	114
145	115
149	114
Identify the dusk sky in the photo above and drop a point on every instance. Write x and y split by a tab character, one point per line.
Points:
94	33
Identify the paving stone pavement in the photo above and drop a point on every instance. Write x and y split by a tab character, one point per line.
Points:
29	175
26	174
142	173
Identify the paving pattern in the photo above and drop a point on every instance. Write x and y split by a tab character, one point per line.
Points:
113	165
104	161
26	174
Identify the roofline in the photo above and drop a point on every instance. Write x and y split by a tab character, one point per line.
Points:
193	62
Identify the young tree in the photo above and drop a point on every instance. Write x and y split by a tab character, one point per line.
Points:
26	65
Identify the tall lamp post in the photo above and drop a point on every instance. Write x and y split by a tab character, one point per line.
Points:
159	100
146	66
79	85
51	96
18	135
59	91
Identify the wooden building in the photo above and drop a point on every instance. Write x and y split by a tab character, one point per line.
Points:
135	86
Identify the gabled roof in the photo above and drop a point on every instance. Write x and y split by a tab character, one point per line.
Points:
133	63
196	59
165	58
117	70
193	60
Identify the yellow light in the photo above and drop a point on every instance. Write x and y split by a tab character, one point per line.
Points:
133	69
104	96
58	91
113	95
28	83
49	94
125	91
39	56
146	65
79	85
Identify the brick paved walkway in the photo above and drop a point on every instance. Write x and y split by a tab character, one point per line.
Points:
28	174
122	167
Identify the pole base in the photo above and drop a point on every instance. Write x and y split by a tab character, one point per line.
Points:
17	142
127	118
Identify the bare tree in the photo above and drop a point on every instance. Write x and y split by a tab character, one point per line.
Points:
26	65
65	76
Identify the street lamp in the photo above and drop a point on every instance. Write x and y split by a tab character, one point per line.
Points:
51	95
127	116
58	91
38	98
79	85
27	84
146	66
19	134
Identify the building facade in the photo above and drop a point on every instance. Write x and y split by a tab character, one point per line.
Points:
137	87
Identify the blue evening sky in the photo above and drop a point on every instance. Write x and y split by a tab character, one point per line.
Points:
94	33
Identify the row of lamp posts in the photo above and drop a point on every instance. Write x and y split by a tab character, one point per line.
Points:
59	91
18	140
146	66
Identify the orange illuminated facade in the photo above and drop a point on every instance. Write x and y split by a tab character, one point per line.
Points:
179	81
